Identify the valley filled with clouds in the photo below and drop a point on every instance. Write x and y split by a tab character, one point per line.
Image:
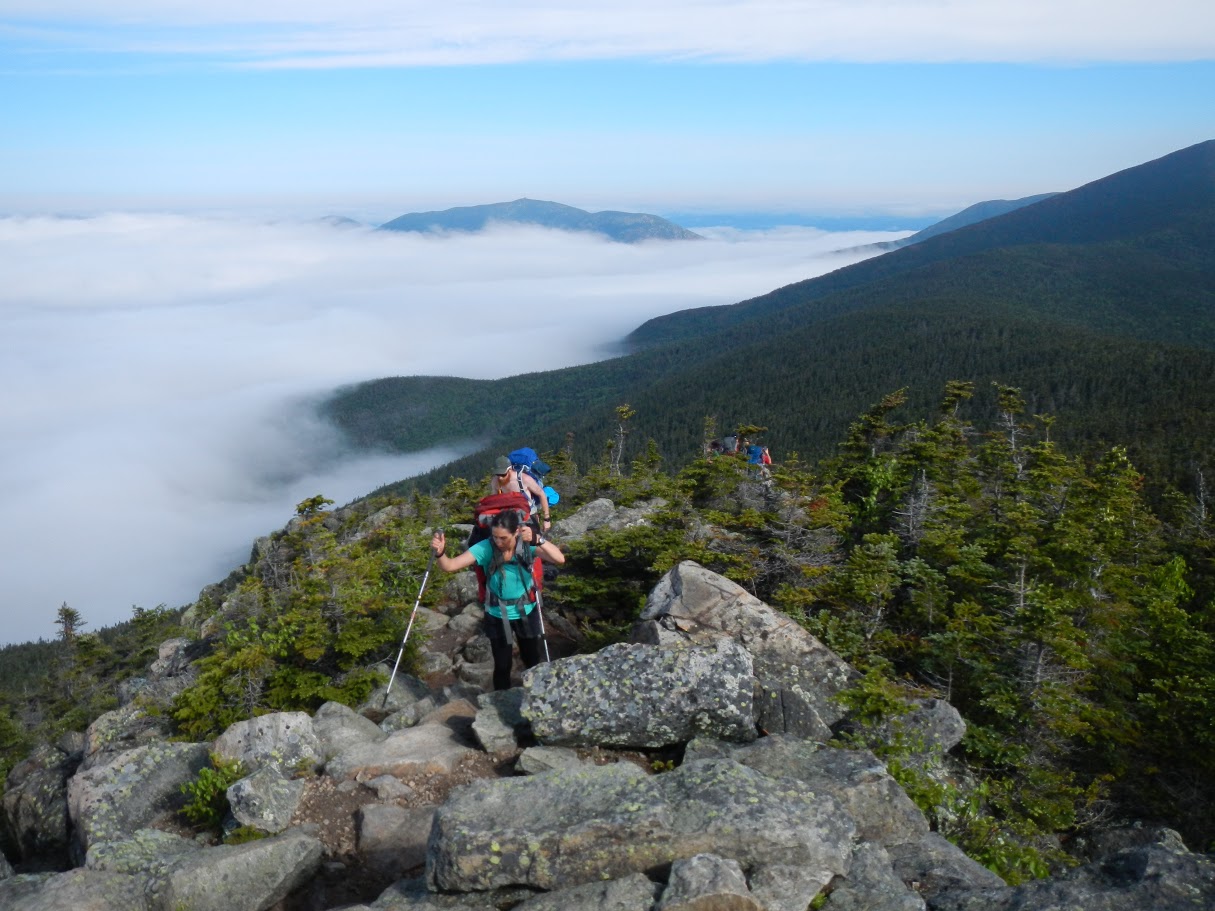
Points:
160	371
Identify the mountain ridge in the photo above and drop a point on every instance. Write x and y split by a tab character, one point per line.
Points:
624	227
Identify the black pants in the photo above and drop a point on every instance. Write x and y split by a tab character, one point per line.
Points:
526	632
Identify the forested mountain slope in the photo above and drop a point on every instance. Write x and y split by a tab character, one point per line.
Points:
1159	215
1099	304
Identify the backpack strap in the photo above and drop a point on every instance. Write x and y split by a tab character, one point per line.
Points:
497	565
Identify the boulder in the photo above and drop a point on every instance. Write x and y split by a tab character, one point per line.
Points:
338	726
859	780
786	887
392	840
500	722
139	787
265	800
35	806
147	853
872	885
798	675
565	828
634	892
935	865
428	749
76	890
120	730
642	696
535	760
593	515
1156	876
284	740
406	689
253	876
706	882
413	895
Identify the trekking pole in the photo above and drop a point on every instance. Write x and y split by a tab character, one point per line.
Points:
412	614
540	614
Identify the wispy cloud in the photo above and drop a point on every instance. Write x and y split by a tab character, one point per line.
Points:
378	33
158	371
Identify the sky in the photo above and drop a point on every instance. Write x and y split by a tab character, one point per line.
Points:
373	108
171	304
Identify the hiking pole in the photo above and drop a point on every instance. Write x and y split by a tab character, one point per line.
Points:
540	614
412	614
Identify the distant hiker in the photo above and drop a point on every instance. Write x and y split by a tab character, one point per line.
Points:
508	479
755	460
512	610
715	449
729	444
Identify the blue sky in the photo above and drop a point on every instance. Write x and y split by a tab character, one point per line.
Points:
373	108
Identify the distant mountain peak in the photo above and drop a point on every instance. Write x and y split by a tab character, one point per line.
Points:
625	227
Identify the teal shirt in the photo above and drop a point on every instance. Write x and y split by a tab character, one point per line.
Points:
509	583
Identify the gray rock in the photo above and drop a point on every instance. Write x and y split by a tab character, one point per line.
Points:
35	805
799	676
467	623
406	690
706	882
265	800
934	865
642	696
338	726
428	749
392	840
138	788
461	591
413	895
500	722
147	852
535	760
633	892
253	876
477	650
872	885
172	660
284	740
480	675
76	890
633	516
386	787
120	730
566	828
785	887
858	779
593	515
1155	876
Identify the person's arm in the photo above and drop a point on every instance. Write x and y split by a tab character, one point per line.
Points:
438	544
546	549
534	486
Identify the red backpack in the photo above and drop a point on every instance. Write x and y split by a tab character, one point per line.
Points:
483	514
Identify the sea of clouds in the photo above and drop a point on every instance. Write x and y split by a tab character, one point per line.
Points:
159	371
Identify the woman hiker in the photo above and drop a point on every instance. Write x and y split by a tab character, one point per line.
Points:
508	479
506	557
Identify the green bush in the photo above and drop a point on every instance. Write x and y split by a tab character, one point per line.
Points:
208	793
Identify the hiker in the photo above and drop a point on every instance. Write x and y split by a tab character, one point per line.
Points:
508	479
756	463
506	557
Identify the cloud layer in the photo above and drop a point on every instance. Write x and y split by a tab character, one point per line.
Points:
380	33
159	369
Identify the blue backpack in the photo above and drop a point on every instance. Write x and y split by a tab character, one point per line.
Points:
525	459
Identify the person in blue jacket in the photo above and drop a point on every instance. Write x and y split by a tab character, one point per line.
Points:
511	613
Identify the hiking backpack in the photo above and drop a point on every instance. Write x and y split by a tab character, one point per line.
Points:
525	460
483	514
